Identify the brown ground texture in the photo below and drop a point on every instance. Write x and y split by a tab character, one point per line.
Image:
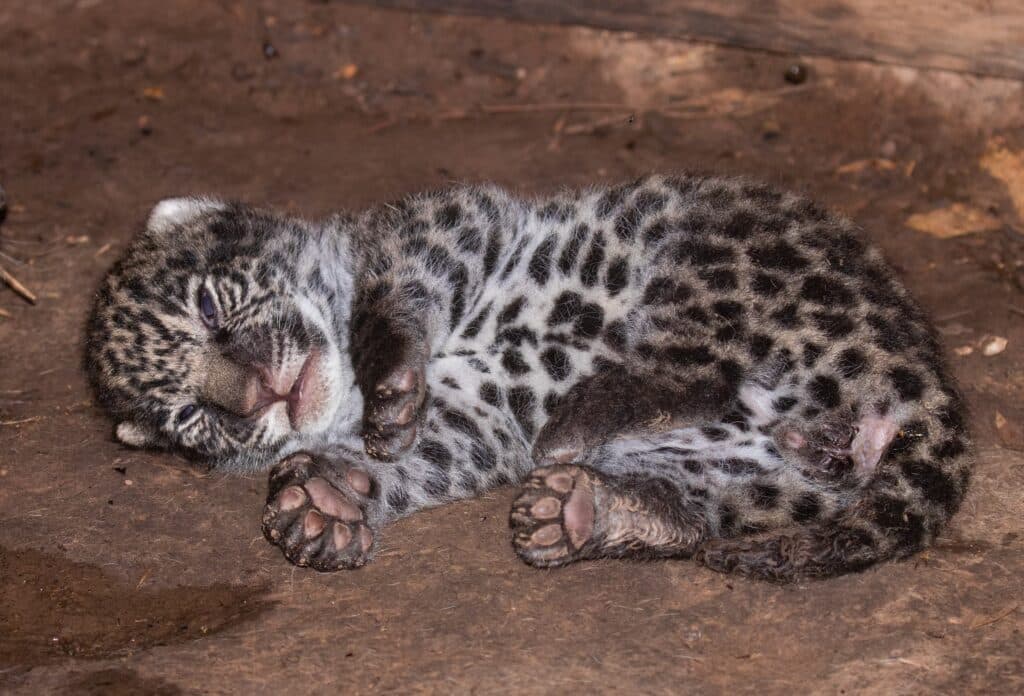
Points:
132	572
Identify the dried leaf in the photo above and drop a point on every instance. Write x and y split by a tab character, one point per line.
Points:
857	166
153	93
954	221
1008	167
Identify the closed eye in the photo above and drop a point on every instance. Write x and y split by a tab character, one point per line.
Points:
186	412
208	308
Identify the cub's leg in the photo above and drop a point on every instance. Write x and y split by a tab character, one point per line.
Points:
618	401
390	366
574	507
663	486
424	260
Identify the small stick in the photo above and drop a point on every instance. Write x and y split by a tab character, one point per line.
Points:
553	106
16	286
381	125
588	128
556	131
998	617
4	313
1015	310
33	419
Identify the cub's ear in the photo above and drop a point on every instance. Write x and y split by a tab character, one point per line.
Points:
135	435
172	212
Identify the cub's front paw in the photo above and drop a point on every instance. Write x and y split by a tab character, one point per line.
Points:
315	513
391	414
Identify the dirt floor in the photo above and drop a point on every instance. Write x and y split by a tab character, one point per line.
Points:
131	572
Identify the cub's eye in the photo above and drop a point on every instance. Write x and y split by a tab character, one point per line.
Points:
186	413
208	308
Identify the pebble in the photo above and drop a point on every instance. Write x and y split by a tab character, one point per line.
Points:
346	72
796	74
770	130
994	345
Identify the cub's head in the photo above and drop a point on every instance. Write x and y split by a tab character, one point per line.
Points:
220	332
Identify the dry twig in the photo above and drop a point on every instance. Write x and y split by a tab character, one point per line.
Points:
21	421
553	106
16	286
998	617
593	126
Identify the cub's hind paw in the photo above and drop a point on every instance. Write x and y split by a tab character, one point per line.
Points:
315	513
553	518
567	513
841	449
392	411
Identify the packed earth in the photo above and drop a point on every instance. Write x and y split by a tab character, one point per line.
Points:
129	571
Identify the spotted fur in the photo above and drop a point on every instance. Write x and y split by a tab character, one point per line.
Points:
712	347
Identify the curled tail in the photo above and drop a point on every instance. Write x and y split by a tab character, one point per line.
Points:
817	551
898	514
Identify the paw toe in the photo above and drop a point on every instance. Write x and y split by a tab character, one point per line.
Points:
405	416
561	481
342	536
546	535
313	524
291	498
360	481
387	443
546	508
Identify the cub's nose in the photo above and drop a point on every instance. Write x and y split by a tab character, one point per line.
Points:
235	388
258	396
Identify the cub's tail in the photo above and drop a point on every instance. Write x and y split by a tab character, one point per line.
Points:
899	513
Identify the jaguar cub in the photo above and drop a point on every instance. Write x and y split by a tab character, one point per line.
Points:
680	366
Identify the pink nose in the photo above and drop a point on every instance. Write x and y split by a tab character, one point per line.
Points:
265	396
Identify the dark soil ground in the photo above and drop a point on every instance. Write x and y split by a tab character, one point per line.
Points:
132	572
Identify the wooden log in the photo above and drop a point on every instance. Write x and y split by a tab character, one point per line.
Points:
982	37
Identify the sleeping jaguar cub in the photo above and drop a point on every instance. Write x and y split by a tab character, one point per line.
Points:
677	367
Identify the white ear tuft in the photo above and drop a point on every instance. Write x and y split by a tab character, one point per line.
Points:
171	212
134	435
